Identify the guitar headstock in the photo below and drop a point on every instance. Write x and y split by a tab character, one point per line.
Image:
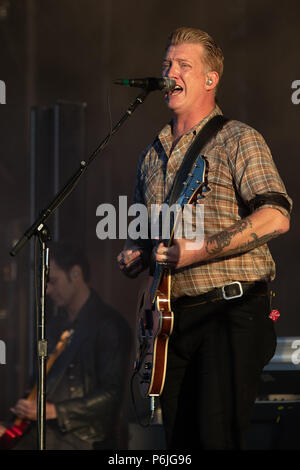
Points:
64	340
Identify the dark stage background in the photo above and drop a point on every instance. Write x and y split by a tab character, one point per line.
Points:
58	59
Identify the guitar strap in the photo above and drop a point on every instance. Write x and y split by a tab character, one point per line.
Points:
211	128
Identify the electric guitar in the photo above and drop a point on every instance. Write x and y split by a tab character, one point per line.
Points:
154	314
13	434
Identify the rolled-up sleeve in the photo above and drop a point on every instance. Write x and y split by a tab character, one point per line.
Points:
255	173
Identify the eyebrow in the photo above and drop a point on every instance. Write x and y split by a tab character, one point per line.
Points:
177	60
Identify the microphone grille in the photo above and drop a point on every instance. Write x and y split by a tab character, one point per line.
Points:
169	83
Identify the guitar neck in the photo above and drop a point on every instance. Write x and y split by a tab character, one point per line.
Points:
33	393
50	361
190	188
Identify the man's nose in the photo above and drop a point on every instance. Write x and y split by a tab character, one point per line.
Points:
172	70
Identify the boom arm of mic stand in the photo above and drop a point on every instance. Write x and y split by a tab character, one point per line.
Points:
72	182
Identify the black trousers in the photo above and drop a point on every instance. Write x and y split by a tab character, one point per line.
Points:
215	357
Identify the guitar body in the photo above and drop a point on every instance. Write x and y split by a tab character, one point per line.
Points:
12	435
155	327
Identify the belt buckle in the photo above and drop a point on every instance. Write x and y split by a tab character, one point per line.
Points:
226	297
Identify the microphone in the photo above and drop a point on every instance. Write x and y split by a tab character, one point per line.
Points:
150	84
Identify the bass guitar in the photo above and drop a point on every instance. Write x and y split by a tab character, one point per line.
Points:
154	314
13	434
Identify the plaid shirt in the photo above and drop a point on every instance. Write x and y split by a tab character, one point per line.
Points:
240	167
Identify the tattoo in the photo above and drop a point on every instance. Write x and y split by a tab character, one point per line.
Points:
253	243
218	242
215	245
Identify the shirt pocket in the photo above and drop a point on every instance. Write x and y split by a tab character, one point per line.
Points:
153	184
218	171
220	188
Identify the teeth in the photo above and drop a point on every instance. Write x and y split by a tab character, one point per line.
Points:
177	88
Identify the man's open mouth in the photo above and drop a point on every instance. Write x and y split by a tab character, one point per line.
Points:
178	89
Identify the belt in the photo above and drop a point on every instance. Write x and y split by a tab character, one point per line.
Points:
230	291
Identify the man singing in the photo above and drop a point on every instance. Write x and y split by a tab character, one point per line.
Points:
222	336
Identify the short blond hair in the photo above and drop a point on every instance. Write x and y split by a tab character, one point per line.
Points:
213	56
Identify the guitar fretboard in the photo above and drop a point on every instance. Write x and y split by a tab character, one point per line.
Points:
191	186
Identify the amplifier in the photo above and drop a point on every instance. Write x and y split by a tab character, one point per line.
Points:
276	414
280	379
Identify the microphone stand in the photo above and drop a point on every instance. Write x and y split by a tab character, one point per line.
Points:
41	231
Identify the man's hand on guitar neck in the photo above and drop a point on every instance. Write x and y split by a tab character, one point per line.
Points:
26	409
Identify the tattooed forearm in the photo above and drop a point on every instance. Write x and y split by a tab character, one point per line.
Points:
218	242
257	241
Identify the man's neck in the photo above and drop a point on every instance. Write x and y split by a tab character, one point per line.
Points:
78	302
182	123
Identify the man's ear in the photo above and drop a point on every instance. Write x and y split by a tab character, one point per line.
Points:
76	273
212	80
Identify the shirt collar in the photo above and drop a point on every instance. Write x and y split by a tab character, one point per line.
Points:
166	131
